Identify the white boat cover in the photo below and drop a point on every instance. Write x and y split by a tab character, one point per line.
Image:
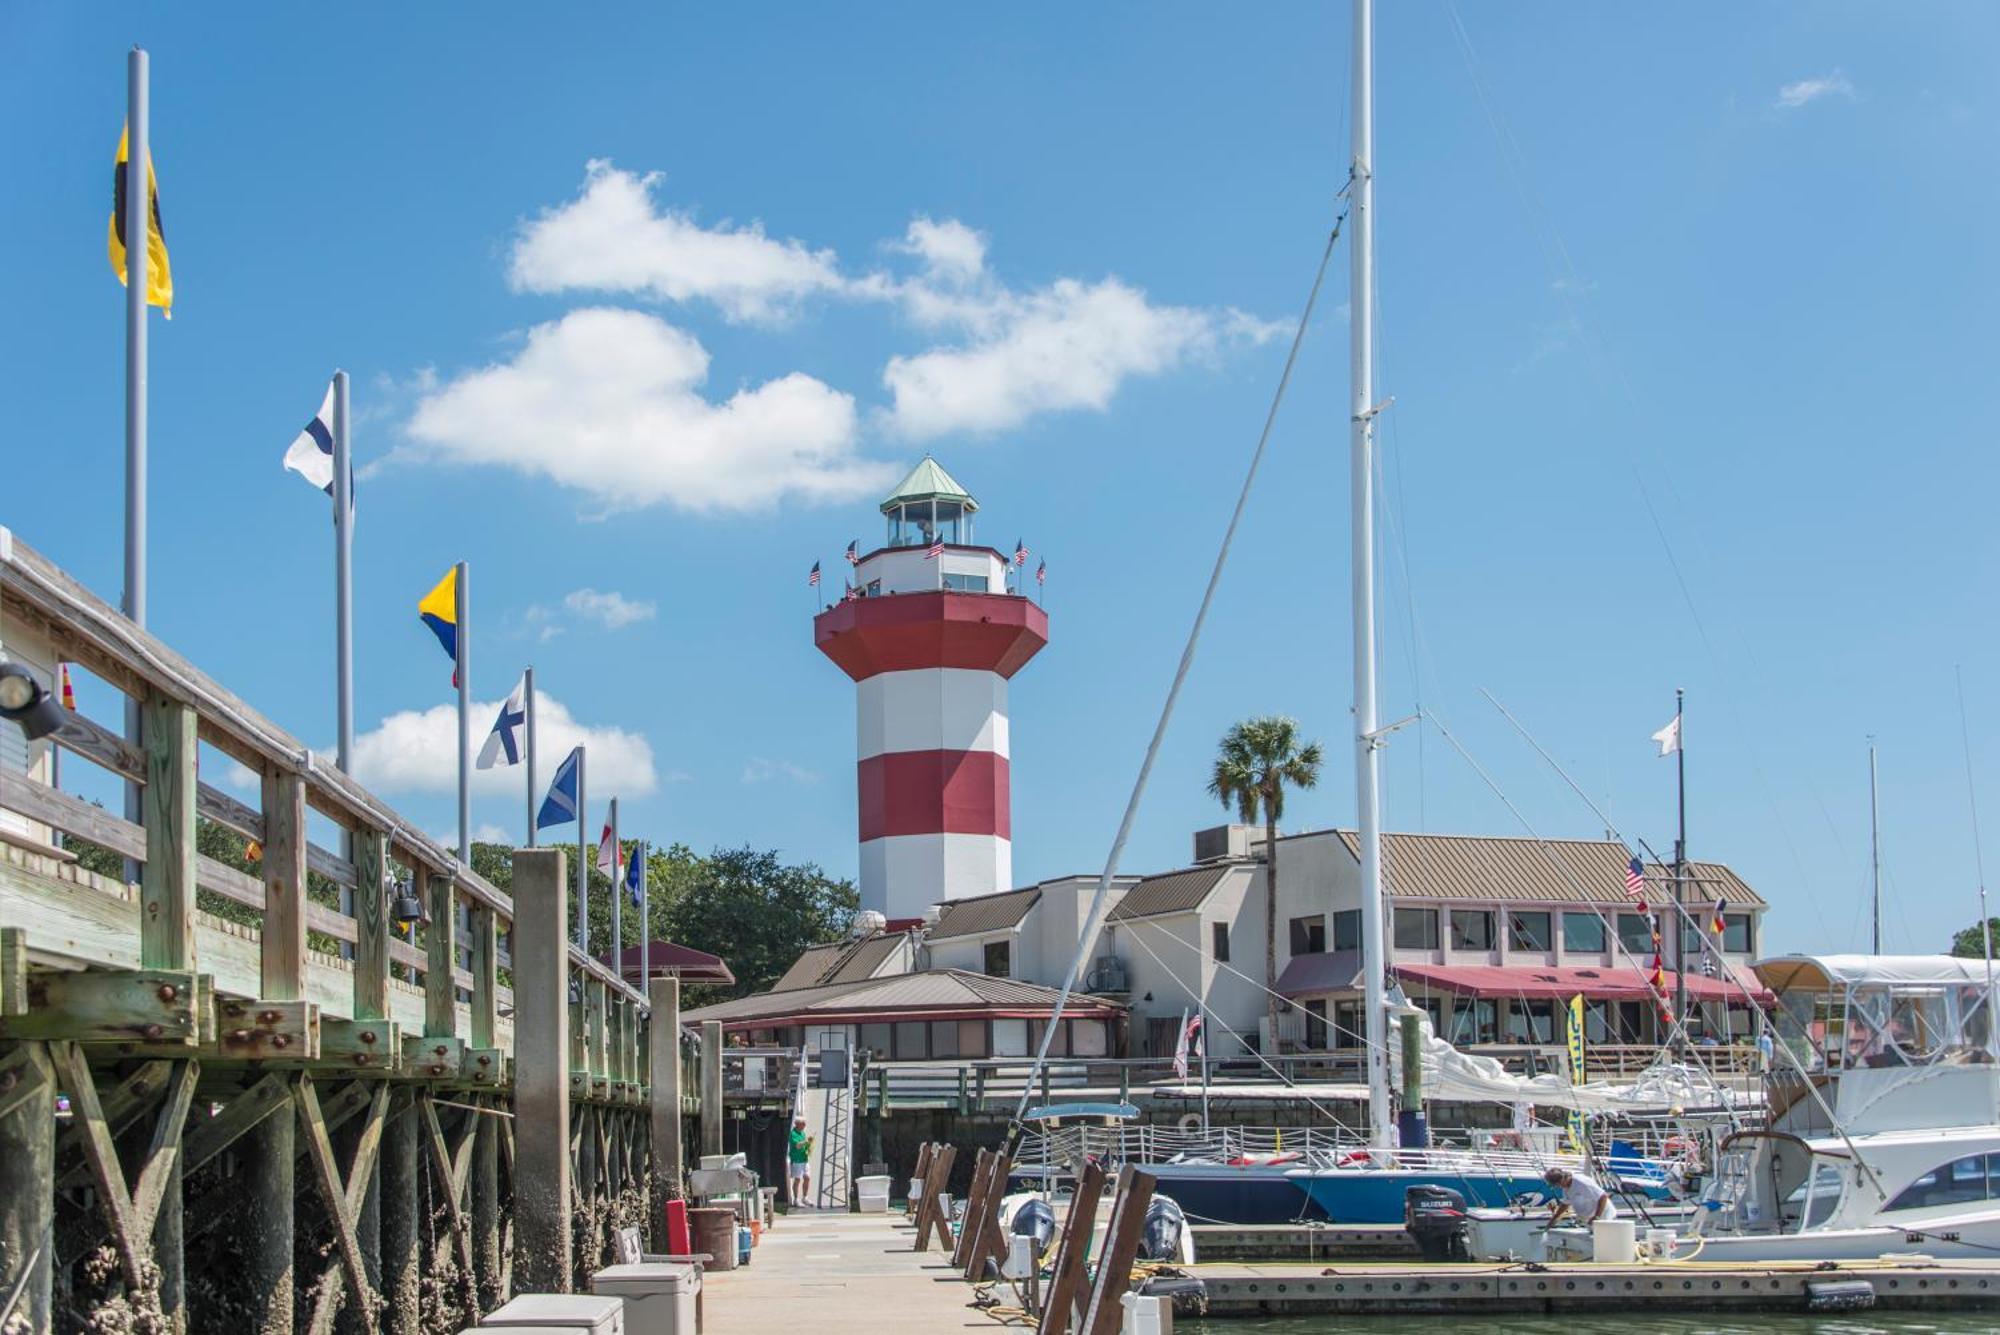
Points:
1830	971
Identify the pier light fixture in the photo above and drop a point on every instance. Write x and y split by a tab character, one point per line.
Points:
23	701
405	908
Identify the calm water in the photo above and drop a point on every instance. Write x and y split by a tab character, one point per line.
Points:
1943	1323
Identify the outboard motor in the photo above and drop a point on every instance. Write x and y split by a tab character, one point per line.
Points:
1160	1237
1435	1218
1035	1219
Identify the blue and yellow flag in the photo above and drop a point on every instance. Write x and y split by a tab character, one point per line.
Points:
439	611
159	273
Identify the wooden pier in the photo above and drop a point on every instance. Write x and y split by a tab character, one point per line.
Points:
227	1102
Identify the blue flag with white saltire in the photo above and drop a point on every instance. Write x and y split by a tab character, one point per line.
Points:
559	807
505	743
635	872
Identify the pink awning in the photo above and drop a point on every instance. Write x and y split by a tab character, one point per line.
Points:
1560	983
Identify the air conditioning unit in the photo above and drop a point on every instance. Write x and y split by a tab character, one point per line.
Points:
1107	974
1222	842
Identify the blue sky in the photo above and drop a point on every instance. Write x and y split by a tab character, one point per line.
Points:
1689	320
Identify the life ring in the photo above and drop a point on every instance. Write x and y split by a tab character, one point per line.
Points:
1354	1159
1189	1123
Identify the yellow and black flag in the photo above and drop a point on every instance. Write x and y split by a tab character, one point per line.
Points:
159	274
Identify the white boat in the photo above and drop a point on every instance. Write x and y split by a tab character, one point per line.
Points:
1885	1131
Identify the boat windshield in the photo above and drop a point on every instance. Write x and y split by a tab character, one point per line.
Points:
1875	1024
1817	1199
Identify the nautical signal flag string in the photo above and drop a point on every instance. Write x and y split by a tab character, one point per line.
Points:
439	611
159	273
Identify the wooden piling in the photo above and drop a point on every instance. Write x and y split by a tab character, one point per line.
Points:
1066	1291
541	1072
664	1042
267	1188
27	1175
1103	1314
402	1235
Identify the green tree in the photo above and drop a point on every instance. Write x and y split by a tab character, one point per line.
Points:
1970	943
756	911
1256	761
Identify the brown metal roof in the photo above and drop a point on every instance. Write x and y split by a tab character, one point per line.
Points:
1487	867
865	957
987	913
810	968
1176	892
899	996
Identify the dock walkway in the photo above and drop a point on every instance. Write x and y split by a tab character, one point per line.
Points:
840	1273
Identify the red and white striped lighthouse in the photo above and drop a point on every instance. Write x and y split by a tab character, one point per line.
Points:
931	639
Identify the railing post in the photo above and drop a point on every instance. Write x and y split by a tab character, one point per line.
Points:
483	952
665	1042
541	1072
269	1154
166	927
371	926
440	955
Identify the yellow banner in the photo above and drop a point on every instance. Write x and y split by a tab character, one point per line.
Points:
1577	1135
159	273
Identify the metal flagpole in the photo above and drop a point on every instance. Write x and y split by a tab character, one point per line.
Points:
529	689
617	896
1875	845
645	921
343	575
1680	868
1367	744
582	863
463	637
138	199
1201	1012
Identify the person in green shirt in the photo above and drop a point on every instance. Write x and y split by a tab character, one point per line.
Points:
799	1148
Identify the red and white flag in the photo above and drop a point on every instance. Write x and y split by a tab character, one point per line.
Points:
935	550
607	854
1189	1043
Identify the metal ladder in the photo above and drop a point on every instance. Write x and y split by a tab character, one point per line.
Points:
836	1108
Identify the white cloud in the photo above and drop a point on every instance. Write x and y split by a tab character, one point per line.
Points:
416	751
947	248
607	401
761	769
612	610
486	832
1832	84
612	238
242	778
1067	346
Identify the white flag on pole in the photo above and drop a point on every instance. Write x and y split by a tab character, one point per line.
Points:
607	853
1669	737
311	455
503	744
1181	1050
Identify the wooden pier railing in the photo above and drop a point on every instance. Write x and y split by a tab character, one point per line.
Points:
235	1062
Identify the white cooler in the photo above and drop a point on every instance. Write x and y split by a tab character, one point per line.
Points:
589	1312
873	1193
659	1296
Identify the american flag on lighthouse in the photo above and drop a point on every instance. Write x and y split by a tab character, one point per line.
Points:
1042	573
812	579
935	550
1020	553
854	552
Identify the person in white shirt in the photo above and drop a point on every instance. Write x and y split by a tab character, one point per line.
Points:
1581	1197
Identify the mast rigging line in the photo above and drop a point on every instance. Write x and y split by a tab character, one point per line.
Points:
1099	907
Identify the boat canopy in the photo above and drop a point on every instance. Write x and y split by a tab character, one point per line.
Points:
1828	973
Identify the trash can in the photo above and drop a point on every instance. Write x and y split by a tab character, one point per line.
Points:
559	1311
659	1297
873	1193
714	1229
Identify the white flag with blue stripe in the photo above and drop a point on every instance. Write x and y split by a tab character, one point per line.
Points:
311	455
509	735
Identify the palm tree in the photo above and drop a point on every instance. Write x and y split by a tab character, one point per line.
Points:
1256	761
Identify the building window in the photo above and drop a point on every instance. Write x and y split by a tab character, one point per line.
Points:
1416	929
1309	935
944	1038
1010	1038
1532	1021
972	1038
1059	1047
1347	929
1471	929
1583	933
1088	1038
1635	934
1738	936
911	1044
1347	1025
967	583
1316	1024
874	588
1475	1021
1218	937
875	1038
999	956
1528	930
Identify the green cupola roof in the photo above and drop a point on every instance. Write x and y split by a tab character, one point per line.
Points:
928	481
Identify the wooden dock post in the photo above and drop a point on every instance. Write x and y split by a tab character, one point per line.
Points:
402	1237
268	1152
930	1213
975	1203
541	1072
1066	1292
1103	1314
711	1087
27	1179
166	941
920	1172
665	1044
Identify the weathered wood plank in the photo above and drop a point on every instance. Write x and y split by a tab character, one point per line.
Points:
485	982
14	972
333	1193
122	1106
284	934
1103	1314
265	1030
450	1177
109	1006
27	1168
1066	1290
157	1169
167	885
441	942
102	1156
371	918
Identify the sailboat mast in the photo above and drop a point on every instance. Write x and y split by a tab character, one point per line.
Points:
1875	846
1367	764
